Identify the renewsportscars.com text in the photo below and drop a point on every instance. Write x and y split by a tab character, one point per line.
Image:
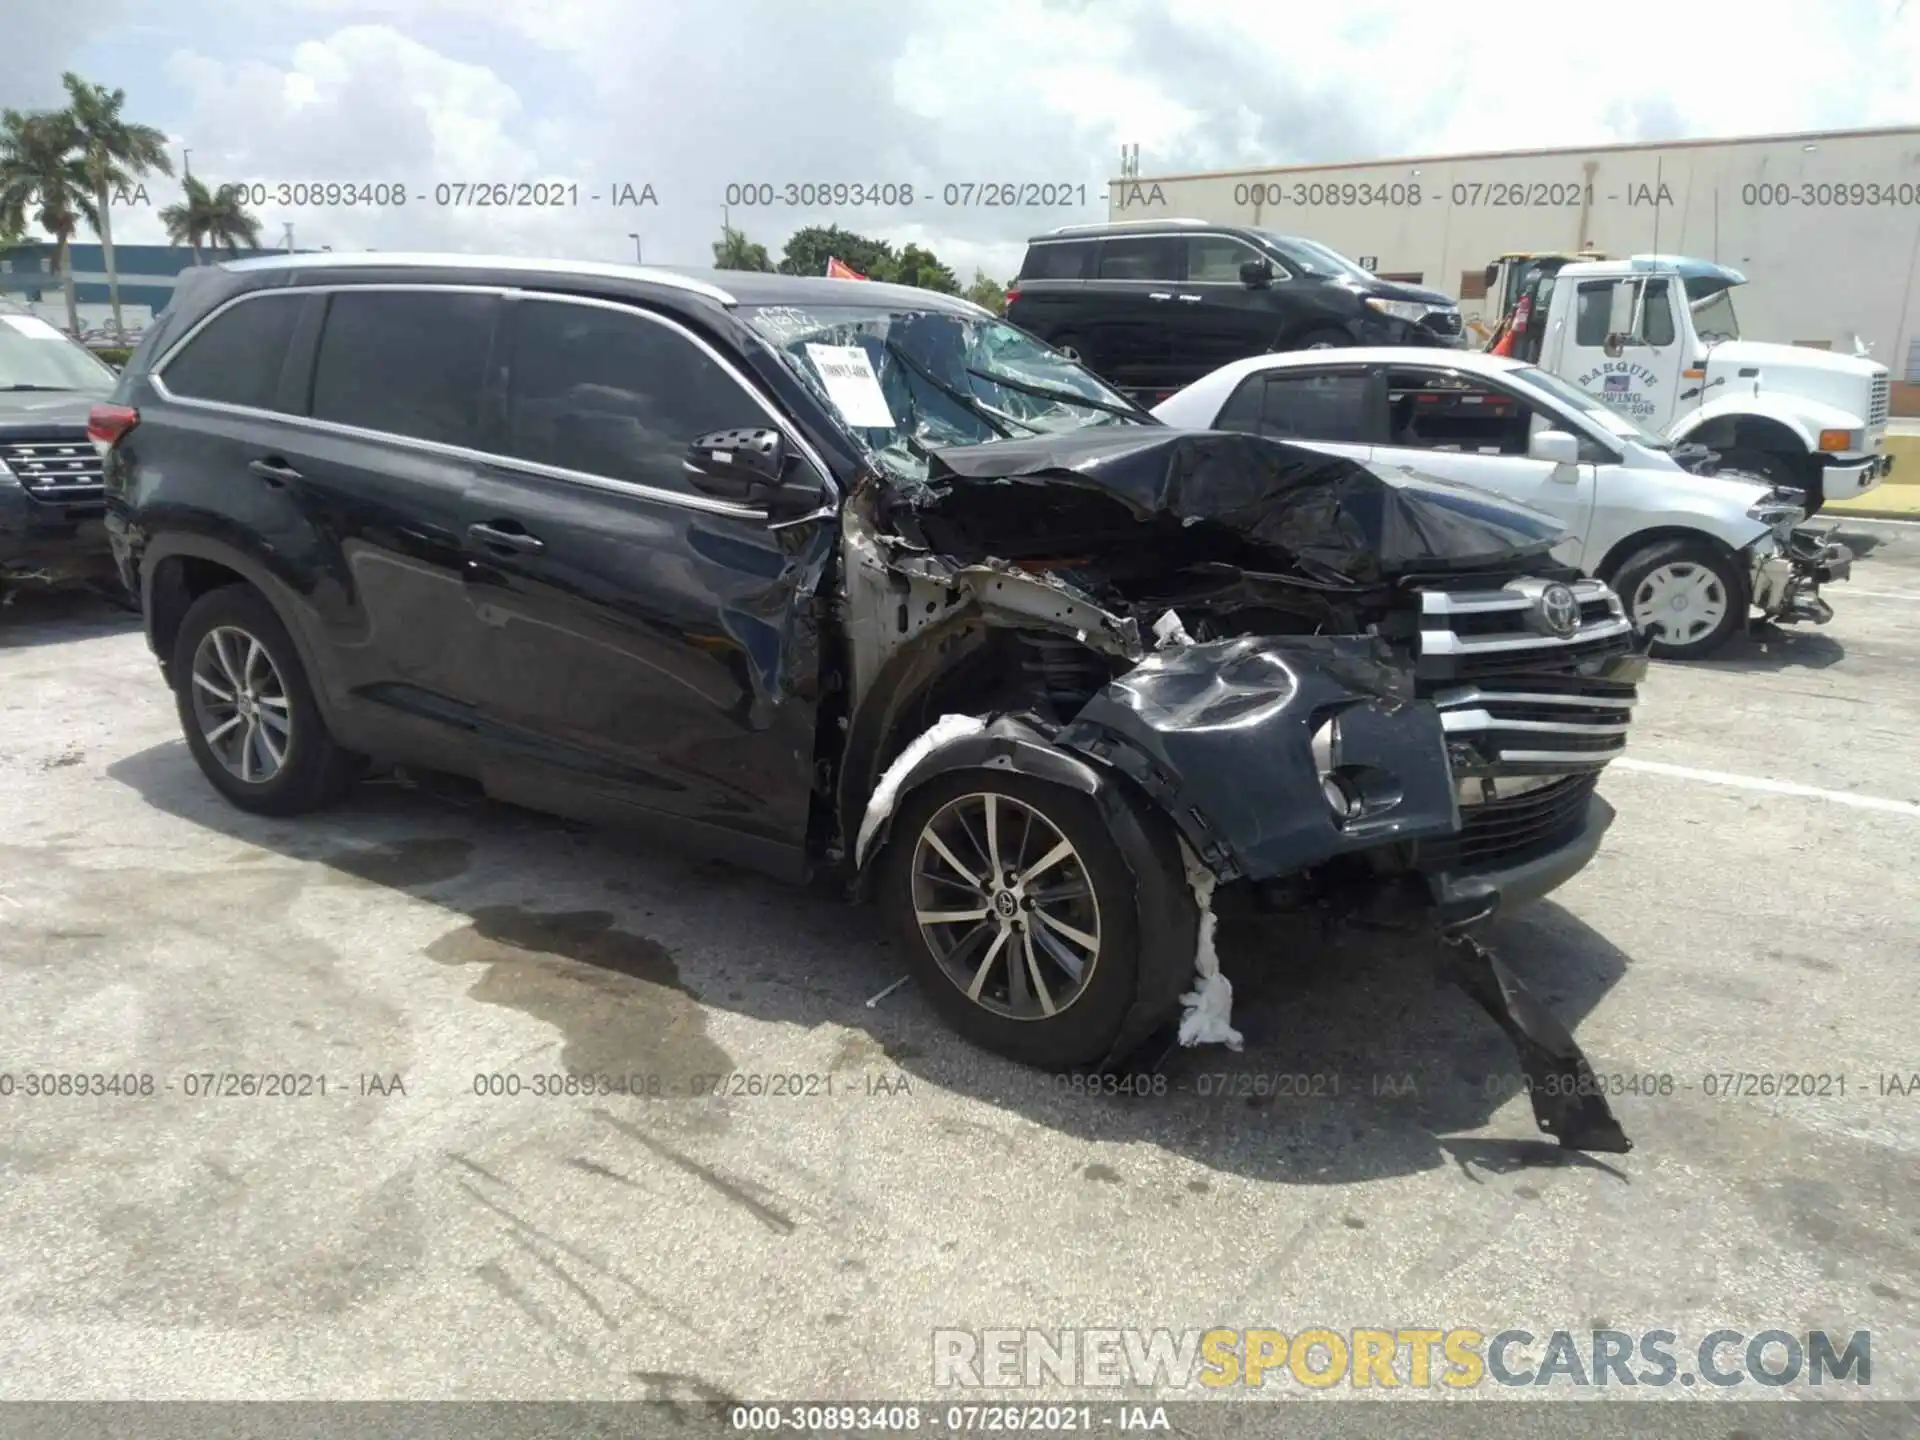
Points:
1456	1357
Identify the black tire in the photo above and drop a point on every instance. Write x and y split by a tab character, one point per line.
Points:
313	771
1326	337
1796	472
1085	1029
1682	558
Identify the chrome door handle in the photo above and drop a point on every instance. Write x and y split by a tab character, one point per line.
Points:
274	471
1160	295
1191	299
487	537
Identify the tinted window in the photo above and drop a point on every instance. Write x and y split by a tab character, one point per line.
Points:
237	358
608	393
1217	258
1317	407
1595	301
1432	410
409	363
1057	261
1243	408
1658	325
1139	258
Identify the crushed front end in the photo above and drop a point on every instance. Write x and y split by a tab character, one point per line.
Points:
1375	697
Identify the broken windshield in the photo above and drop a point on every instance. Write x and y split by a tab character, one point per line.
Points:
908	382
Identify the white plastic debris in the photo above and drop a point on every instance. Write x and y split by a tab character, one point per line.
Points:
880	803
1209	1005
1170	632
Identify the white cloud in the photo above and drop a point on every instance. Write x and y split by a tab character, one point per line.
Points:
689	97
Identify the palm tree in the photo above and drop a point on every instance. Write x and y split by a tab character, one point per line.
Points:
41	171
733	251
116	153
207	217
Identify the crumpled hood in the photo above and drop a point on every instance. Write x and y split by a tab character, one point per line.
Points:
1364	523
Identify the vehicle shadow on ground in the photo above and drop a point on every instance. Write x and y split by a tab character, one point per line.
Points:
50	617
1765	647
1359	1062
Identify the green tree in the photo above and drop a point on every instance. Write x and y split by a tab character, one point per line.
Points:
807	251
987	293
41	172
733	251
212	218
116	153
922	268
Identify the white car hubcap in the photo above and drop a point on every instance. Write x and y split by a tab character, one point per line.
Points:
1680	603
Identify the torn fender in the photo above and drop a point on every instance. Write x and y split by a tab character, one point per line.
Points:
1004	744
1235	738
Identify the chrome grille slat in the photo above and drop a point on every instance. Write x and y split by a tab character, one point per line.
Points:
61	468
1877	406
1531	718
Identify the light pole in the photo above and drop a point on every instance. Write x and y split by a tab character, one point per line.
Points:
186	162
636	248
289	237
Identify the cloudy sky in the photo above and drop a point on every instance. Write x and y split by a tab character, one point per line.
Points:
689	96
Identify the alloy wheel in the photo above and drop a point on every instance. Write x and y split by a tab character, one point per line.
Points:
1680	602
1006	906
241	705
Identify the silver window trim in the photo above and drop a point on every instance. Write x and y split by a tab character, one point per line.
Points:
156	377
1280	272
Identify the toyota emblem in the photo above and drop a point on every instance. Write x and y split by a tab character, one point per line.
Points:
1559	610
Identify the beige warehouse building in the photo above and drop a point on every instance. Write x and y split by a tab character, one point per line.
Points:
1825	225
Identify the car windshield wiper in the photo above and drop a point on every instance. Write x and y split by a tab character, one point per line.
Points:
960	397
62	389
1066	397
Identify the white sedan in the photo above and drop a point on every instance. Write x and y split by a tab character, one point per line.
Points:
1688	554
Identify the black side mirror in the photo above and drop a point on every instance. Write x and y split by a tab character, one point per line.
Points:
1256	274
749	467
737	465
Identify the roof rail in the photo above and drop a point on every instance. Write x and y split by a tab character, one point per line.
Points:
1161	223
331	260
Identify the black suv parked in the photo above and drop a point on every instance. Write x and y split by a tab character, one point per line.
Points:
1152	305
50	505
840	576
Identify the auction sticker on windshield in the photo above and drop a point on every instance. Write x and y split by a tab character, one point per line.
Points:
852	386
33	326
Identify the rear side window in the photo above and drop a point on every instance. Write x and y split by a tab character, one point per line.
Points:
1318	407
1057	260
1140	257
236	359
610	393
404	362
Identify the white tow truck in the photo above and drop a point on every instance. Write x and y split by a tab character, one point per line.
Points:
1655	338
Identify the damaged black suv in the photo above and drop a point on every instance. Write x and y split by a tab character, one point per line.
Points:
833	576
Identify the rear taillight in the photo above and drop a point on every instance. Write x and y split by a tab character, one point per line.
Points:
107	423
1012	295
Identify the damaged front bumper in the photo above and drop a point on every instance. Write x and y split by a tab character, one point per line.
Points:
1785	577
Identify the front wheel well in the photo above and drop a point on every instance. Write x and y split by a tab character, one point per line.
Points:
1749	432
1610	563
